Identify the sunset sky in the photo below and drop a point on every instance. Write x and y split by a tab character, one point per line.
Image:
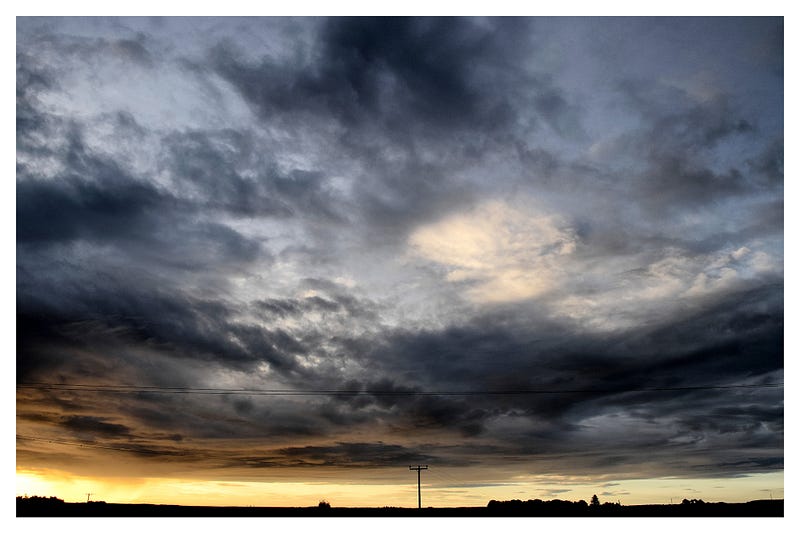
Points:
543	256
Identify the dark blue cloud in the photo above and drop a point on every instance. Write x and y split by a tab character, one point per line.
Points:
262	238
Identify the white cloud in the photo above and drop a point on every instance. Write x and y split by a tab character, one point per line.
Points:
503	253
612	298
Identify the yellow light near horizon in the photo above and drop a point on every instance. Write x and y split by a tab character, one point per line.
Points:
435	492
210	492
75	488
31	484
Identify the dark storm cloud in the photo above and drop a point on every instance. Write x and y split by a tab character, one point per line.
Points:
362	69
768	166
208	163
336	301
214	164
355	454
736	339
31	80
372	454
66	304
683	154
407	194
113	315
539	164
280	308
109	207
181	251
676	175
684	157
135	217
730	341
92	425
96	199
395	88
406	411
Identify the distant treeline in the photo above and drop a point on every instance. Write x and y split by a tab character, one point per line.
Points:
52	506
551	507
39	500
694	507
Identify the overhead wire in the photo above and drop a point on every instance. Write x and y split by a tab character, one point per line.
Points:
129	389
84	387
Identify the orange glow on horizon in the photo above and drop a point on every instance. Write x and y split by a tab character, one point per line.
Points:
435	493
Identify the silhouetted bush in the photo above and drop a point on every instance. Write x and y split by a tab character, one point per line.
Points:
692	502
40	499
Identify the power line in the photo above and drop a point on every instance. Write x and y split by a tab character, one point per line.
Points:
451	480
129	389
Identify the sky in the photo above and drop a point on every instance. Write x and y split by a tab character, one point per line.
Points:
585	211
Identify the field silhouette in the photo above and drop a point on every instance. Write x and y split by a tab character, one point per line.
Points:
37	506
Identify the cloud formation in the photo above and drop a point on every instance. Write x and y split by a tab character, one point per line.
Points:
509	254
393	207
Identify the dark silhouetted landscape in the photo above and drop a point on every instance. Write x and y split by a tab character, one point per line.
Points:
37	506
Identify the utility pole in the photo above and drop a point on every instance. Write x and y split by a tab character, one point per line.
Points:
418	468
88	497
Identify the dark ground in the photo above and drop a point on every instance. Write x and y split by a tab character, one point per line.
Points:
40	507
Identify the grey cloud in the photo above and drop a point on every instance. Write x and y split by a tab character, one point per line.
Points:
679	141
338	302
169	321
32	79
91	425
396	90
323	304
345	454
89	312
366	68
421	412
732	340
134	48
767	167
677	157
145	248
74	207
538	162
98	200
231	173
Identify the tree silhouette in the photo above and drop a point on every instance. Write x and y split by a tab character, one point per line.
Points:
595	501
